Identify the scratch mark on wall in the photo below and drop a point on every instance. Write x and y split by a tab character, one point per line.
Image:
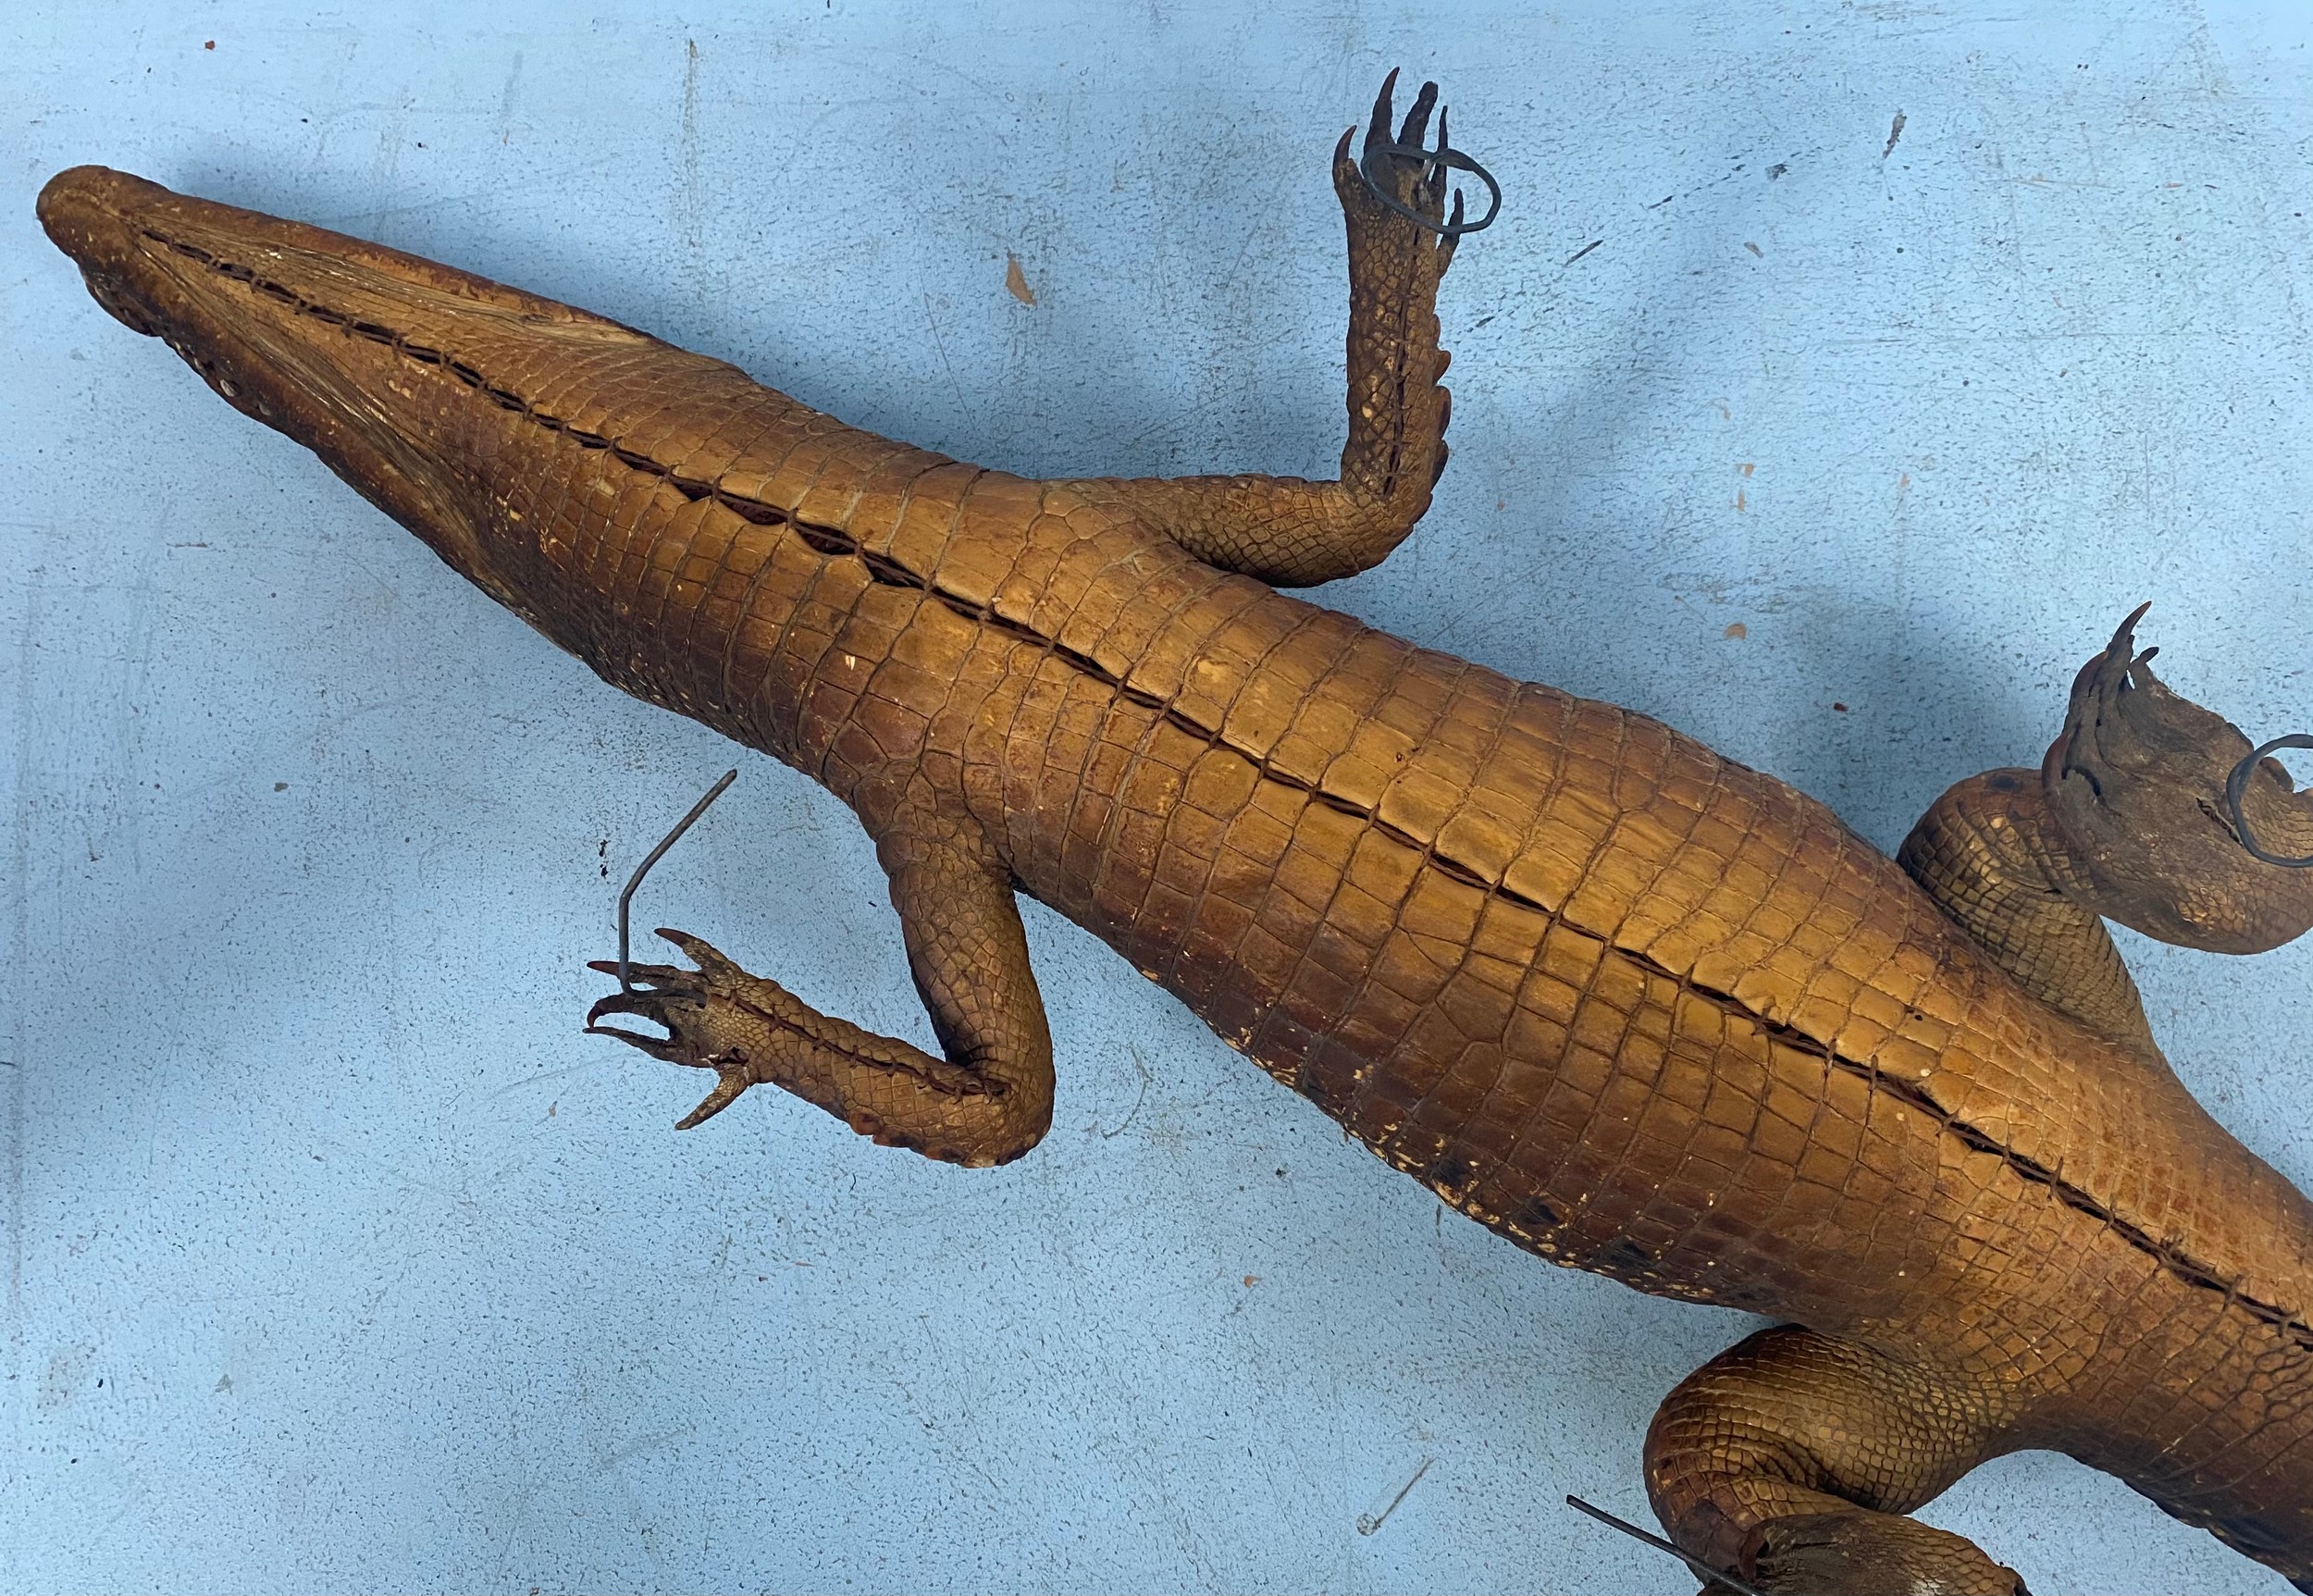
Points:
694	204
1142	1065
1368	1523
962	409
19	963
506	101
609	1460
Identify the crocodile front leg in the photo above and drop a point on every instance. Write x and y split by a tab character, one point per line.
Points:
988	1101
1293	533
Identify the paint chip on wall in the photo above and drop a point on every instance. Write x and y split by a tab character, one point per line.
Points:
1016	280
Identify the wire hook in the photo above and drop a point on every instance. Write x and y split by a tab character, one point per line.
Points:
1711	1576
2237	785
1444	156
626	899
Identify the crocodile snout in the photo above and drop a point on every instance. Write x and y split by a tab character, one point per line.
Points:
88	213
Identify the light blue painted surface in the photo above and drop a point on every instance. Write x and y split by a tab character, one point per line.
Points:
338	1258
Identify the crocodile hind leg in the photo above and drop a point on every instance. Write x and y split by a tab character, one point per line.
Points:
988	1101
2127	819
1990	854
1293	533
1789	1461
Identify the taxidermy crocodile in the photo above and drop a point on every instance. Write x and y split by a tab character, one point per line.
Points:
1633	1006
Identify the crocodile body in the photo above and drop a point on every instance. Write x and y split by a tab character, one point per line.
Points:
1635	1006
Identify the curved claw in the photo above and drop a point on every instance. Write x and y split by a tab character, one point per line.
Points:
731	1076
1377	131
1417	124
1454	232
642	1005
673	997
644	976
729	1083
658	1047
705	955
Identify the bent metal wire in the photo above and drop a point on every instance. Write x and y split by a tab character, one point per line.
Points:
626	898
1444	156
1711	1576
2236	786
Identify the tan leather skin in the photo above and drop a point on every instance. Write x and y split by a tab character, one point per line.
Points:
1635	1007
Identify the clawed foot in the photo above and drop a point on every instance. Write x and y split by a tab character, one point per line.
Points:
1861	1553
708	1024
1416	185
753	1031
2136	783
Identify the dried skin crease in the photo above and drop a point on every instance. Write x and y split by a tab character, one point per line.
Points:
1635	1006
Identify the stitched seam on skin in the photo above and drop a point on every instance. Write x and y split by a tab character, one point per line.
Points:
2178	1262
833	541
896	1065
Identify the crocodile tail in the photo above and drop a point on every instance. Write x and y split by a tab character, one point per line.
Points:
2200	1400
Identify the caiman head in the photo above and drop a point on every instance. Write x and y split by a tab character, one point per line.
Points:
327	339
